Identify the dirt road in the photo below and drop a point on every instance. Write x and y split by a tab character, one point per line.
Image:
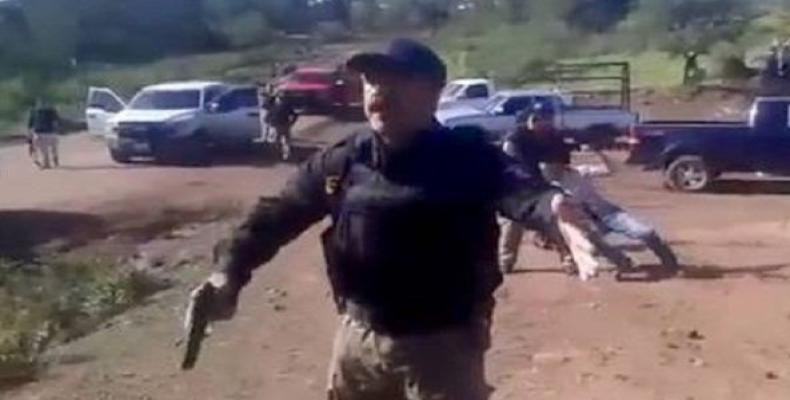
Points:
718	333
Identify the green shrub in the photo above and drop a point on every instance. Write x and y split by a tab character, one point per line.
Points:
59	300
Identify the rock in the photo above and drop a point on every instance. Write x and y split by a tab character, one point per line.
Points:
594	306
184	232
669	331
695	335
697	362
141	261
585	377
183	257
279	307
551	358
622	377
770	375
672	346
275	293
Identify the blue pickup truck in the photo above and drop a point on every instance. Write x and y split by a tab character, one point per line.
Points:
693	154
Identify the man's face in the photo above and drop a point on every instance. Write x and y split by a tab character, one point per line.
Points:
542	126
396	105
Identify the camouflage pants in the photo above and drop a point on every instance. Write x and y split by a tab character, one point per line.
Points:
446	365
46	148
509	245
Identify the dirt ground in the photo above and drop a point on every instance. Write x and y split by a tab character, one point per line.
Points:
719	332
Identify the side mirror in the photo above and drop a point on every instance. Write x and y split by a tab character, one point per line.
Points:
499	110
213	107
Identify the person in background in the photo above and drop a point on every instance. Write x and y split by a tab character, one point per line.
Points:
43	125
611	218
281	117
540	149
265	101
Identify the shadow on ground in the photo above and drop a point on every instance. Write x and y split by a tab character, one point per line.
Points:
653	273
22	231
751	187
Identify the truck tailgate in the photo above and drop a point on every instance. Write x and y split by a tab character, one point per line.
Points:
650	140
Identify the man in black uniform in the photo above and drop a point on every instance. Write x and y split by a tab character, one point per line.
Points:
412	249
281	116
540	149
43	125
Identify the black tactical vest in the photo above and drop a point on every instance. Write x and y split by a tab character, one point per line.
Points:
414	234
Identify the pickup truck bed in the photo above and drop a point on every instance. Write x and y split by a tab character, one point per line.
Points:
694	153
655	143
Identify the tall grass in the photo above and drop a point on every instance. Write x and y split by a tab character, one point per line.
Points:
56	301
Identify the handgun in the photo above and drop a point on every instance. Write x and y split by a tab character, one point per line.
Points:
197	324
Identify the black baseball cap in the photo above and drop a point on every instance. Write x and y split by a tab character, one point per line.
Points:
404	56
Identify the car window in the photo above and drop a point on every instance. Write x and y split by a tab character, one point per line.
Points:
516	104
770	113
166	100
451	90
313	77
238	98
247	98
493	103
105	101
213	92
478	91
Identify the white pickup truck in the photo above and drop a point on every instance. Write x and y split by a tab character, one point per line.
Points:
580	124
180	122
467	92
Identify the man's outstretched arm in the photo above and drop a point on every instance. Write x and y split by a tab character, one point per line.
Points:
275	221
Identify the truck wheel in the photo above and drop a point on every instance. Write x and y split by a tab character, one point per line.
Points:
164	152
197	152
688	174
119	156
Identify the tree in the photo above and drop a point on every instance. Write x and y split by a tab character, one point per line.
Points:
341	12
598	15
53	29
516	10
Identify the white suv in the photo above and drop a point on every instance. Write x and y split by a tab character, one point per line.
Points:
178	122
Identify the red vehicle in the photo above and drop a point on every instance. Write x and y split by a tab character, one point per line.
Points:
322	91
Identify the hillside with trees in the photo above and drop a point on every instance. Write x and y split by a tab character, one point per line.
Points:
44	43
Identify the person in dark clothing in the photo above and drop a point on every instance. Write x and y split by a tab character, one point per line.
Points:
539	148
411	249
281	116
691	68
542	149
43	126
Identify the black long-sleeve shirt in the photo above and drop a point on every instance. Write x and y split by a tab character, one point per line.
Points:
414	230
43	120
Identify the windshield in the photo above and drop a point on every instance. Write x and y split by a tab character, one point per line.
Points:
451	90
493	102
166	100
313	77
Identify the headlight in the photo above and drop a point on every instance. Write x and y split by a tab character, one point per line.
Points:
112	131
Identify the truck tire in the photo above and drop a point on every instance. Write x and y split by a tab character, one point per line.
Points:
197	152
119	156
192	152
688	174
164	152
